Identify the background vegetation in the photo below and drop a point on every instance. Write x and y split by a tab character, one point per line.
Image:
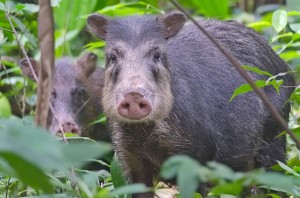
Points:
34	163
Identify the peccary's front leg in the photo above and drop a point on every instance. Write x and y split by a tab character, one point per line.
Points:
141	171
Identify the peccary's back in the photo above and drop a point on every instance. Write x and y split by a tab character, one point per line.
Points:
203	82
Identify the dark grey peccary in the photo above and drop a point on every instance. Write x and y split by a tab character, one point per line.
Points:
167	91
74	97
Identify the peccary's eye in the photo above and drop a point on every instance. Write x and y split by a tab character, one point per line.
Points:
53	94
156	56
113	58
78	92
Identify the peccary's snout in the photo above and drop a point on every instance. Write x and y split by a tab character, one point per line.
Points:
134	106
70	127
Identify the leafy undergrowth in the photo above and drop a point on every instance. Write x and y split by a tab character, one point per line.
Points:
35	164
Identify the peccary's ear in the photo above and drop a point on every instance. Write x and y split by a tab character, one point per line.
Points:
86	64
26	70
98	24
173	22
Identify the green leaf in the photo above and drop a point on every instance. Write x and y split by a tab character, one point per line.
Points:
100	119
188	179
259	24
28	173
288	169
68	15
5	109
116	173
279	20
245	88
22	148
15	136
80	151
171	166
280	182
295	27
31	8
256	70
293	13
213	8
130	189
234	188
275	83
187	171
20	6
285	35
93	45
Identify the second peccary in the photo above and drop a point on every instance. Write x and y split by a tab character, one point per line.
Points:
167	91
74	97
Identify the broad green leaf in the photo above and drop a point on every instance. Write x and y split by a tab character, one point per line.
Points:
80	151
188	172
31	8
279	20
116	173
213	8
222	171
234	188
280	182
28	173
23	28
256	70
100	119
171	166
293	13
296	130
25	141
288	169
93	45
22	148
276	84
103	193
295	27
259	24
245	88
68	14
130	189
289	55
89	181
187	178
5	109
285	35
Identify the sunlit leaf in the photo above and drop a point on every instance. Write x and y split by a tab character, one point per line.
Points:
132	188
245	88
295	27
279	20
116	173
256	70
5	109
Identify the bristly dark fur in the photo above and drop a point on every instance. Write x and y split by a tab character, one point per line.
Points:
202	123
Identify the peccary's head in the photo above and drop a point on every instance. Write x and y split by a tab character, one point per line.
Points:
137	76
73	101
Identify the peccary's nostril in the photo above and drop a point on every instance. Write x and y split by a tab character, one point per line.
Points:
125	105
70	127
134	106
